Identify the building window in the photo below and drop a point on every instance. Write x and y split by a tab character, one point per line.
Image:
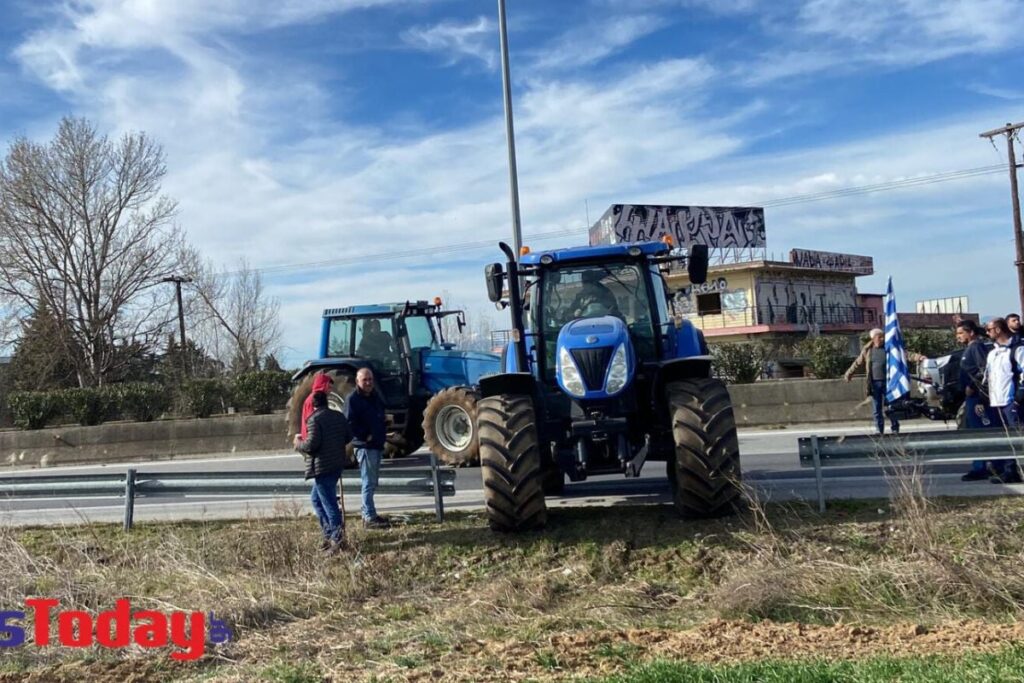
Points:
709	303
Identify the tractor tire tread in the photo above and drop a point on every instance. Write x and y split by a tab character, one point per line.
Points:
705	471
510	464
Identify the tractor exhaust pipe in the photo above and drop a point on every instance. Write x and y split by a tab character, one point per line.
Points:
516	307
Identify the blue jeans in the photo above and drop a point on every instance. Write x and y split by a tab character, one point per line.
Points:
878	399
369	472
325	504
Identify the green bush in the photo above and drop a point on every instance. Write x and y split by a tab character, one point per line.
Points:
89	405
930	343
739	363
142	402
203	397
33	409
828	356
262	392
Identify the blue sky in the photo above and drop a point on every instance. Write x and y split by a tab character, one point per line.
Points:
306	131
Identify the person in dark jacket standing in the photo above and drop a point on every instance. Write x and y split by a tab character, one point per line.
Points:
972	376
368	419
327	434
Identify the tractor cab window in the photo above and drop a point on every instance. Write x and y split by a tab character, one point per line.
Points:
339	338
375	341
420	331
590	291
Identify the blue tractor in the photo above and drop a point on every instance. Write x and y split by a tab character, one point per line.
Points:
598	379
428	386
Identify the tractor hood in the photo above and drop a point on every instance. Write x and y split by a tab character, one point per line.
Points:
595	358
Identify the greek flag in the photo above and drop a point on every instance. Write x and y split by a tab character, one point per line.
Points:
897	376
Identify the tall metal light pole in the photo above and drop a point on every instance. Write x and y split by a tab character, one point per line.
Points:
1010	131
510	135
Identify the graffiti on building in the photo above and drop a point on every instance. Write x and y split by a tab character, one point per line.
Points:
715	226
803	301
832	261
736	300
708	287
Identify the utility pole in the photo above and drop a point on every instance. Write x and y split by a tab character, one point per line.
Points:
1010	131
177	280
510	134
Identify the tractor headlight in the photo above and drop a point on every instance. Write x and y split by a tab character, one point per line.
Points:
618	371
571	378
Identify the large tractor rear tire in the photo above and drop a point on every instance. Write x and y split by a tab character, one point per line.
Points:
705	471
344	384
510	463
449	426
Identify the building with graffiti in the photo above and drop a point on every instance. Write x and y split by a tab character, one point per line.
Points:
749	295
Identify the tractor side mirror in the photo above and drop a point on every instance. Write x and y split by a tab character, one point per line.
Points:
460	320
697	264
494	273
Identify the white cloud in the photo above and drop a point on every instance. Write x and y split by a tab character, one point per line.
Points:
592	42
837	36
457	41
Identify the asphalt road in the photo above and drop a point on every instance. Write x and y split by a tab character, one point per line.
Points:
770	467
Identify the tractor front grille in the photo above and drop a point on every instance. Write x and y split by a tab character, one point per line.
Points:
593	364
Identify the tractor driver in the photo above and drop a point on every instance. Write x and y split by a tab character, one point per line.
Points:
376	343
594	298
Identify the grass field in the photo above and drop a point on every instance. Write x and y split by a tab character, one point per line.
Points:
907	590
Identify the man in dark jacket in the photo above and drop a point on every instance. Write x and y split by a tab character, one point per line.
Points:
368	420
324	452
972	374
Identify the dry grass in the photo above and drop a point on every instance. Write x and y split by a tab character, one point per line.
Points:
428	599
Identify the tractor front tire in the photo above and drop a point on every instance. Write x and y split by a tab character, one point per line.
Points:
449	426
705	470
510	463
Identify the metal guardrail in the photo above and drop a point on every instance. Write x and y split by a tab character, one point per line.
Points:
131	484
906	449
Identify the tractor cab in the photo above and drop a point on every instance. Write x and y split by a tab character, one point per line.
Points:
606	297
389	338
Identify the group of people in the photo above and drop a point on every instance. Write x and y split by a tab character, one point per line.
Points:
323	438
991	378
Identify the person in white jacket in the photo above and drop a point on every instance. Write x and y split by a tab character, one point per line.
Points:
1002	379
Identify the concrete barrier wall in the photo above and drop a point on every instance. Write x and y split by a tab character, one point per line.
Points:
763	403
142	441
780	402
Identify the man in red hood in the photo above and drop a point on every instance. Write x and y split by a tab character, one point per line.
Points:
321	382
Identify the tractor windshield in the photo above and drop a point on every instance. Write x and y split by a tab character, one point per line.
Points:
593	290
420	332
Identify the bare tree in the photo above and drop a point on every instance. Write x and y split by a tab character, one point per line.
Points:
85	231
242	323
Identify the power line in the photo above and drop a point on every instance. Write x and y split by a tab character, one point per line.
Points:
445	249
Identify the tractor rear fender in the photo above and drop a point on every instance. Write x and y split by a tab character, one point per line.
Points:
341	364
521	383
